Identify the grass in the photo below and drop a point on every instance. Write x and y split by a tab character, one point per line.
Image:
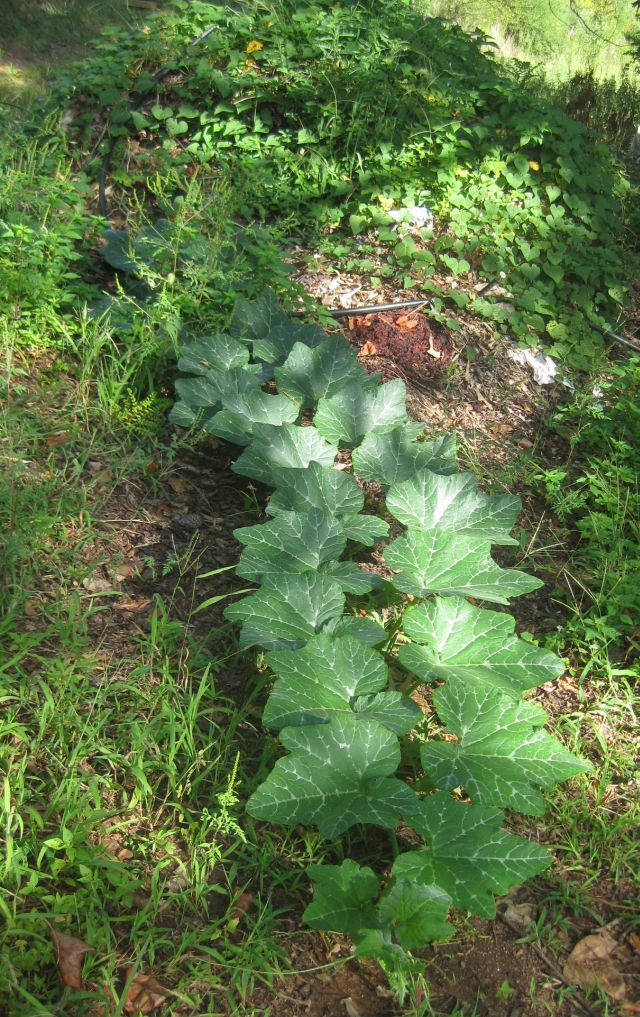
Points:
126	747
123	764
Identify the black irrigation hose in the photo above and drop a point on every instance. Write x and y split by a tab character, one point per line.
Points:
349	312
373	309
106	159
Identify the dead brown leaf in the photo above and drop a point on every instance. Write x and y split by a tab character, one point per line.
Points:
407	321
145	993
124	571
592	962
367	350
97	585
69	954
133	606
56	439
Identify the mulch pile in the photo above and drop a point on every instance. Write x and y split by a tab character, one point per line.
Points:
414	344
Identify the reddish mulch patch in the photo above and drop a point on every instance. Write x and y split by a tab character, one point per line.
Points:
408	338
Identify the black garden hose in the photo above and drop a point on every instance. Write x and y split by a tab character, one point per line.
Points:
349	312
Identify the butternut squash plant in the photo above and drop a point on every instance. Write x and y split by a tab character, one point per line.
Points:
359	750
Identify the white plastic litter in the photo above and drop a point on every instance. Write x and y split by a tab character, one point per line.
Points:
416	215
545	369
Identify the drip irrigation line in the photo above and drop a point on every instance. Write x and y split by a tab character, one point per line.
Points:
135	104
349	312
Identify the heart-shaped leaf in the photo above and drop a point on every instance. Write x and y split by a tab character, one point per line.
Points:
236	422
336	776
330	677
213	352
415	915
316	487
287	611
333	491
453	504
465	644
467	854
293	542
503	754
434	562
309	374
286	446
256	319
343	897
344	418
395	456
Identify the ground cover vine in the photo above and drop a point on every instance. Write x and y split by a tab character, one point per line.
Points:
360	750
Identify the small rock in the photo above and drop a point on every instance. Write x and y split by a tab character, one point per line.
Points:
520	916
190	522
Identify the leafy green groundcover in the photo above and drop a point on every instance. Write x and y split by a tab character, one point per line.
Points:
348	730
338	119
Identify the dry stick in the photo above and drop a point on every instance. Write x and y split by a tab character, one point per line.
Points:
555	968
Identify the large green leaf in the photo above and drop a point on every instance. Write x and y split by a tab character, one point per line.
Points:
415	914
316	487
435	562
343	898
338	774
273	333
467	854
217	387
395	456
183	415
212	352
292	542
236	422
286	446
351	577
330	677
309	374
256	319
365	629
287	611
503	754
463	643
454	504
343	901
200	392
275	348
333	491
353	411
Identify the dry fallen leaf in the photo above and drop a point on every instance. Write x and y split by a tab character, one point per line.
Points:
133	606
97	585
69	954
634	939
591	962
407	321
368	350
145	993
56	439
